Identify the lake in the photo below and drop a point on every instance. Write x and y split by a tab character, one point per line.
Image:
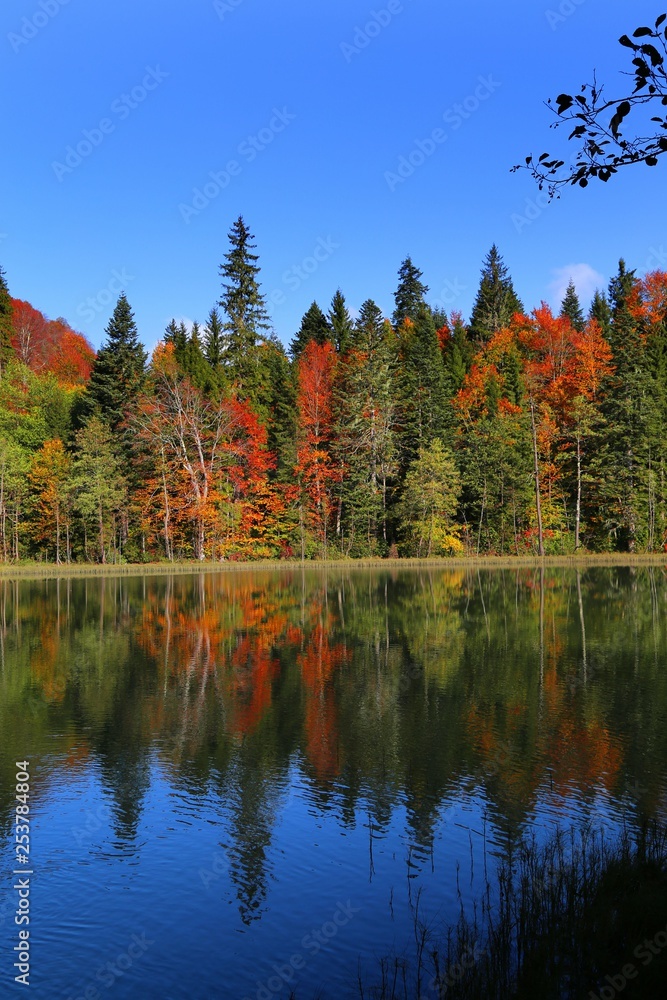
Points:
247	782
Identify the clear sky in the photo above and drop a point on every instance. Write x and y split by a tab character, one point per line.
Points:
302	110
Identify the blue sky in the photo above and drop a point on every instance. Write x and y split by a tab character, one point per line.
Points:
297	114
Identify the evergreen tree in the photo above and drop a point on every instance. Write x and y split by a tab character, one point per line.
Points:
458	355
341	323
241	298
314	326
409	296
5	322
621	463
571	308
601	312
496	300
118	372
426	412
368	331
194	363
213	343
282	420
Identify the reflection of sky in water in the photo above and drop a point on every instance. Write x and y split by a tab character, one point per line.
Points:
229	775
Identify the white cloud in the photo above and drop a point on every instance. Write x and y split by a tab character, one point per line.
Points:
586	279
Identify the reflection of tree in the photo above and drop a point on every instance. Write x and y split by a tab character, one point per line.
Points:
396	689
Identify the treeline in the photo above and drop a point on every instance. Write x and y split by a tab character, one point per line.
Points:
417	435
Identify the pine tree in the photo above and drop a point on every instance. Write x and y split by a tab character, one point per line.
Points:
118	372
194	363
423	386
369	329
213	343
571	308
242	301
628	399
341	323
5	322
496	300
282	420
314	326
601	312
409	296
458	355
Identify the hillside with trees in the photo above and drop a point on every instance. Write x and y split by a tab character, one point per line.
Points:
420	435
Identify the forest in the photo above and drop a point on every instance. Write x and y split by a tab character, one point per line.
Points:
422	434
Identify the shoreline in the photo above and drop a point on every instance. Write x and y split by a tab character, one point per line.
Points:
42	571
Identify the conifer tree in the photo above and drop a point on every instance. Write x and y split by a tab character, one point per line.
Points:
571	307
118	372
409	296
341	323
496	300
601	312
5	321
241	298
213	344
314	326
424	391
622	459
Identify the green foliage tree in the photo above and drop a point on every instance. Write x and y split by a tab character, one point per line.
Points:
119	369
424	393
99	487
245	309
314	326
409	296
213	340
6	310
429	501
571	307
341	323
496	300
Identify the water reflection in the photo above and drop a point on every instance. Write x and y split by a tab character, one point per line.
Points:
376	694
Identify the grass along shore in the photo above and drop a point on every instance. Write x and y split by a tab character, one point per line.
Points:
578	917
38	570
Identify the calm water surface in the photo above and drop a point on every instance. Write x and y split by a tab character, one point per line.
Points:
235	772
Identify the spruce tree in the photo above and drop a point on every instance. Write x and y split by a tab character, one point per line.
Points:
601	312
245	308
571	308
341	323
314	326
118	371
496	300
241	298
368	330
627	408
213	335
424	388
409	296
5	322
